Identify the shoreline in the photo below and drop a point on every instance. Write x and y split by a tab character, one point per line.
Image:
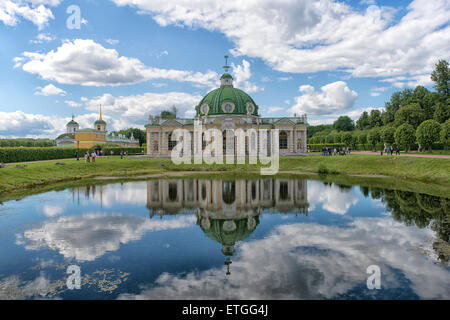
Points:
17	178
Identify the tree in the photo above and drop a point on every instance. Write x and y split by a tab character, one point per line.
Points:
387	135
338	138
169	114
411	113
138	134
405	136
374	137
347	138
344	123
445	134
363	121
375	119
441	112
362	139
441	78
427	133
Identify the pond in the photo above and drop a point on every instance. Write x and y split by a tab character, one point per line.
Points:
225	239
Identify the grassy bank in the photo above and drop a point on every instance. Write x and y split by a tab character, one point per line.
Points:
38	174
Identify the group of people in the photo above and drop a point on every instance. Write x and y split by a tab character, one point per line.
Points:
328	151
390	150
88	156
98	153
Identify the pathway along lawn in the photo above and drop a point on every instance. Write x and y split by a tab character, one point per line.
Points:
430	170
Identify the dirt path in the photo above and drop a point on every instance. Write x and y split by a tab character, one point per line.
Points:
440	156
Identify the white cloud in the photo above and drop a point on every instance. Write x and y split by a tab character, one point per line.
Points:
43	37
73	104
137	108
159	84
88	63
375	92
242	75
32	10
285	78
112	41
87	237
19	124
303	36
313	261
333	97
275	109
50	90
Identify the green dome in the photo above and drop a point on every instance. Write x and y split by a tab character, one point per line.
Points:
100	122
239	229
215	102
72	122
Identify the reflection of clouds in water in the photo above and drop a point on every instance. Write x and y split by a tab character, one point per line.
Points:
332	198
128	193
117	193
52	210
301	261
88	237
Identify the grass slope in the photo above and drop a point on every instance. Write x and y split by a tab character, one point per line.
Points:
426	170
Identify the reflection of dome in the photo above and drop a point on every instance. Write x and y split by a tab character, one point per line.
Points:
228	232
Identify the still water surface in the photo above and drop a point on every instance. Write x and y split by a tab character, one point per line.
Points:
225	239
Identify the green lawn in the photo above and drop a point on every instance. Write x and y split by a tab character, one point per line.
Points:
428	170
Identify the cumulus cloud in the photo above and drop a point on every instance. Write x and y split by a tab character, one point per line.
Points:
36	11
87	237
136	108
50	90
43	37
242	75
73	104
313	261
20	124
303	36
333	97
87	63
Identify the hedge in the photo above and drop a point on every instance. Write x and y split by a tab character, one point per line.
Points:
36	154
366	147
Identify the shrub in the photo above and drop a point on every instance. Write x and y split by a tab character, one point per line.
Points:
322	169
36	154
428	133
405	136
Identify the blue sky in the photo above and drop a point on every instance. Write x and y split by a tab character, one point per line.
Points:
137	57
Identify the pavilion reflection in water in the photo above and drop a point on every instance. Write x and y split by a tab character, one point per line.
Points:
227	211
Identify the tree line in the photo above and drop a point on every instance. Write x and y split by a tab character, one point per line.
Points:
410	116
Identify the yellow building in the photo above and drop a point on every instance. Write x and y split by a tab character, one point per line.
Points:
88	138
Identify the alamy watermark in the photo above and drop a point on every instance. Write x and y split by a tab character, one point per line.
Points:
74	279
374	280
236	146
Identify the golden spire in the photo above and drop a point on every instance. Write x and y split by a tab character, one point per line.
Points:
100	112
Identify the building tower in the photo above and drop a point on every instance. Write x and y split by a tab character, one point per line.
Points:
72	126
100	124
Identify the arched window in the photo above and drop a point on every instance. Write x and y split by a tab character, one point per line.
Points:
173	191
171	143
229	192
283	138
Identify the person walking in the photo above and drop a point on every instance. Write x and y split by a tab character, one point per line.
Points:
397	151
94	155
121	154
